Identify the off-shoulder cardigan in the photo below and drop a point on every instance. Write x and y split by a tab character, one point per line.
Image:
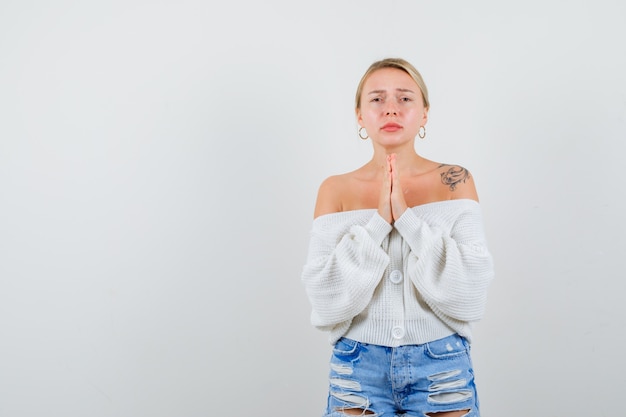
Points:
422	279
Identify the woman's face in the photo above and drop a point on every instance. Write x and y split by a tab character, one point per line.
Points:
392	109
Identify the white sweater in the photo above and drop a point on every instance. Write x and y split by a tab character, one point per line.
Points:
422	279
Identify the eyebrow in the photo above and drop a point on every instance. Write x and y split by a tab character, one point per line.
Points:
402	90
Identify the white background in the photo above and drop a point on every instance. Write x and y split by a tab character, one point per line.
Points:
158	169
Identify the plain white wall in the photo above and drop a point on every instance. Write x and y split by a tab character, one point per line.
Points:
158	168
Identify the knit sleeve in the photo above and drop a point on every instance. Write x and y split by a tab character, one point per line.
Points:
344	265
449	263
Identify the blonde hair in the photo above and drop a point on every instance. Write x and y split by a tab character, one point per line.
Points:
397	63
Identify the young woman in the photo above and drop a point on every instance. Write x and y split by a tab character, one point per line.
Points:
398	267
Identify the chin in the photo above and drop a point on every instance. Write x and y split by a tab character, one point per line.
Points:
394	142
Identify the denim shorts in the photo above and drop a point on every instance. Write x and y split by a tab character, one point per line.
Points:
407	381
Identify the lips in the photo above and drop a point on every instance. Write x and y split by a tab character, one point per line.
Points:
391	127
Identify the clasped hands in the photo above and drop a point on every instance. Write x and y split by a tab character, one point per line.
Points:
391	204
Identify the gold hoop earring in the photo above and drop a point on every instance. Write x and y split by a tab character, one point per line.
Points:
422	132
361	129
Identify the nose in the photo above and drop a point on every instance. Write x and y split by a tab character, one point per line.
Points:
391	110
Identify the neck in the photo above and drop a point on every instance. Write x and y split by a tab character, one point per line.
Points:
407	160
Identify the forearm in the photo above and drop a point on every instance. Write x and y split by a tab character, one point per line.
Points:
451	270
340	280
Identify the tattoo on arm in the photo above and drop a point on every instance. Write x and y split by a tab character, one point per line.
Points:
454	175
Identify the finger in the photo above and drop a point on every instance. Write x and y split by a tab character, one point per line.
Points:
398	202
384	203
392	163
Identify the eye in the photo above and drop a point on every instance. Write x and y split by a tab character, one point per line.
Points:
376	100
405	99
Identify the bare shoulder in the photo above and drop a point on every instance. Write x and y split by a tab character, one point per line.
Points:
329	195
458	181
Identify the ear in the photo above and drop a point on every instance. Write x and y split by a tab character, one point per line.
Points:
359	118
425	117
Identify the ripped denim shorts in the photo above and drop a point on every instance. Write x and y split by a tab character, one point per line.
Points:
407	381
